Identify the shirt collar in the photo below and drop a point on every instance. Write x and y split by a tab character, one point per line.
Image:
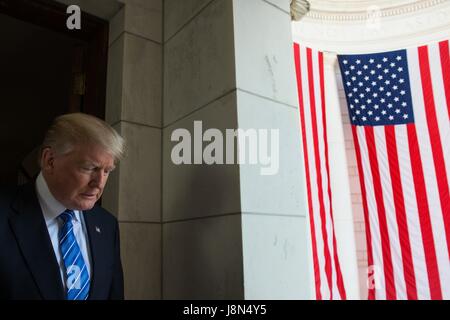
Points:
51	208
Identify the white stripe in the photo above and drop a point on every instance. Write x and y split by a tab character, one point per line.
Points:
440	102
81	290
444	132
380	289
68	250
391	217
323	170
314	195
63	238
412	213
428	168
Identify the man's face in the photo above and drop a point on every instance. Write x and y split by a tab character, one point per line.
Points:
77	179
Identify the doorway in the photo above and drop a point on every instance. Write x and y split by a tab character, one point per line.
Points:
47	70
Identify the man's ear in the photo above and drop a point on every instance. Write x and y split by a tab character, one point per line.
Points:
47	159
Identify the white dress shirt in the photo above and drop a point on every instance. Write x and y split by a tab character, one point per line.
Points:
51	209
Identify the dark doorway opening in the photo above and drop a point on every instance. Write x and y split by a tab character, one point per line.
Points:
47	70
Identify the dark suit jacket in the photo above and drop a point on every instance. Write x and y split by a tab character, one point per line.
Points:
28	265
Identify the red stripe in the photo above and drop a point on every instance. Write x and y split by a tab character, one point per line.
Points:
424	214
318	171
371	293
399	203
384	234
435	139
308	178
445	64
340	281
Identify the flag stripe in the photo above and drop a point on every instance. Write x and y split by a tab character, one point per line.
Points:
424	214
318	171
308	180
378	266
435	140
371	289
340	281
381	211
410	200
445	65
399	203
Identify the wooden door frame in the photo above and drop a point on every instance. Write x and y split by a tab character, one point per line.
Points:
94	32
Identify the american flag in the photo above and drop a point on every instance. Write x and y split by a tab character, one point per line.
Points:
311	93
399	107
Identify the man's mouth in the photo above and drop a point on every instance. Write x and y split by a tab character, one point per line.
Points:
89	195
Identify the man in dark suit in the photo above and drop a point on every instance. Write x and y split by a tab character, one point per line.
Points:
55	243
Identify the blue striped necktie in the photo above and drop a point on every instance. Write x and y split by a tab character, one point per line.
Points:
76	275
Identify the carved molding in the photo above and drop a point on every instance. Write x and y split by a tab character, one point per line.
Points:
363	15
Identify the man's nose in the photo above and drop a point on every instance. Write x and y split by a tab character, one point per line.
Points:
99	179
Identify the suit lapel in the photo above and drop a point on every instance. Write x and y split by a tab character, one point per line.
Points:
31	232
98	280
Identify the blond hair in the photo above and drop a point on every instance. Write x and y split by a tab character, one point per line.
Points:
73	129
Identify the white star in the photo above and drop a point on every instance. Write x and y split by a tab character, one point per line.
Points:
374	83
393	76
385	70
361	95
377	118
360	84
397	110
355	89
363	107
359	72
369	101
367	89
353	118
381	88
345	62
402	92
349	83
399	58
387	82
396	99
365	67
347	73
400	69
358	61
353	78
405	116
385	59
364	118
376	107
366	78
401	80
378	66
390	105
391	117
357	112
369	113
371	61
388	94
352	67
382	100
372	71
356	100
380	77
404	104
351	106
383	112
395	87
392	64
375	95
350	95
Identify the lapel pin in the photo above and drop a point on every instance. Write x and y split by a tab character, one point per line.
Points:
97	229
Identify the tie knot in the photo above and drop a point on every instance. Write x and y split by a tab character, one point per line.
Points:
67	215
